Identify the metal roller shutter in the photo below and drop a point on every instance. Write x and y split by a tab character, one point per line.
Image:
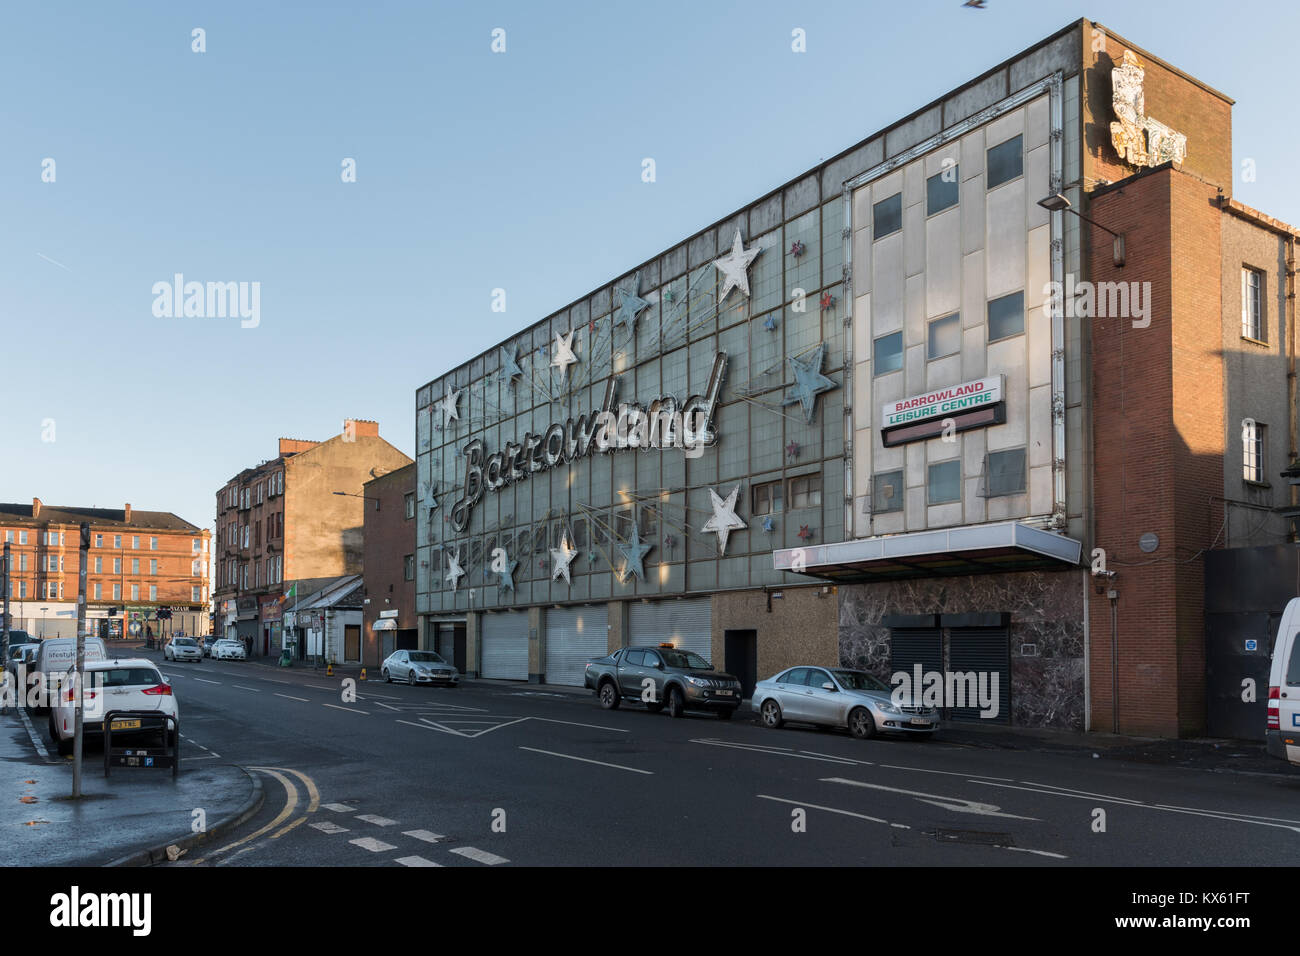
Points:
910	646
505	646
685	624
574	635
986	651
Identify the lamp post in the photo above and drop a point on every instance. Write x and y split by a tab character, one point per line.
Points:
1057	202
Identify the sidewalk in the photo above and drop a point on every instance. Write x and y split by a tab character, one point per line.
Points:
127	819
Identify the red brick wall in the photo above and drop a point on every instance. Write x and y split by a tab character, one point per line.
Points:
389	537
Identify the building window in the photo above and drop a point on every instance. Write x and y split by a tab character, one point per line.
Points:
135	565
1006	316
887	354
1006	472
195	593
117	541
944	483
153	544
1252	305
194	568
153	592
410	505
153	565
117	592
51	563
22	562
96	590
9	537
806	492
135	542
245	536
135	592
887	492
194	545
99	565
117	565
22	590
887	216
1252	450
408	567
99	540
944	336
941	190
767	498
1005	162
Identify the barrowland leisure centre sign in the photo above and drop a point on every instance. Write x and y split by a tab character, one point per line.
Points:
664	423
968	405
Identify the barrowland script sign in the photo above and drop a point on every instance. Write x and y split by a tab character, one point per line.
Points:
943	401
664	423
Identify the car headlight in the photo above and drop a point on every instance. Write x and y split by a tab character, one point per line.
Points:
888	706
699	681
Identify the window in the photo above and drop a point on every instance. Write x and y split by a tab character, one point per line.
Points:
195	594
135	592
245	536
117	541
1006	316
1006	472
22	562
944	336
806	492
887	492
153	566
941	190
194	545
945	482
117	592
195	568
1252	450
153	544
767	499
1005	162
887	216
887	353
99	565
135	565
153	592
1252	305
117	565
135	542
9	537
257	534
408	567
410	505
99	540
51	563
22	537
96	591
22	590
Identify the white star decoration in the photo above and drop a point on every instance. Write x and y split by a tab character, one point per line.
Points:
735	267
724	519
563	556
450	405
454	571
563	356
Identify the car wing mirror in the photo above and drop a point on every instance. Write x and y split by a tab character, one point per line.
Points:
828	686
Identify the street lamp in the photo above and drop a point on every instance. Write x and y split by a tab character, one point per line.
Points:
1057	202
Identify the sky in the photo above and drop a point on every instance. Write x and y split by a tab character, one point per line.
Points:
474	171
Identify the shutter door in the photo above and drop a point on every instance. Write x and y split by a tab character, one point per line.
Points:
685	624
574	635
505	646
910	646
987	652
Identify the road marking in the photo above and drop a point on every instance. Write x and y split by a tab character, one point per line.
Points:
312	793
371	844
384	696
326	827
389	706
290	804
426	727
814	753
955	804
285	829
572	723
288	697
204	680
424	835
376	819
773	751
950	773
416	861
339	807
602	763
242	687
350	710
847	813
1021	849
479	856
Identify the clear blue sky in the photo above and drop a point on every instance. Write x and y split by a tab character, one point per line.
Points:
474	171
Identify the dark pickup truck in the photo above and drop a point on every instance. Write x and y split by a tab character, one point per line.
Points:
663	676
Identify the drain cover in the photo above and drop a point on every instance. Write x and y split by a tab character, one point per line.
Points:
979	837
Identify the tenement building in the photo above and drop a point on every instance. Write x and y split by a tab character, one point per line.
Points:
974	396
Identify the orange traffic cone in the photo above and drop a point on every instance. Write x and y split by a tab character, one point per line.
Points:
363	673
329	669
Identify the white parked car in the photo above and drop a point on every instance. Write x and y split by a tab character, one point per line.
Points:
183	649
1282	735
227	650
133	683
420	667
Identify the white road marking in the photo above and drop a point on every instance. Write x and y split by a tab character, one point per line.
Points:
389	706
242	687
376	819
327	827
949	773
424	835
814	753
189	757
955	804
350	710
371	844
416	861
204	680
648	773
384	696
289	697
847	813
773	751
426	727
338	807
479	856
572	723
1021	849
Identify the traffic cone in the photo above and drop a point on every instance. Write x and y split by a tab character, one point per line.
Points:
329	669
363	673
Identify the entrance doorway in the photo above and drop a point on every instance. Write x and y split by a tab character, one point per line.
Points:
351	642
740	650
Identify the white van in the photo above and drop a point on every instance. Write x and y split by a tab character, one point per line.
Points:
1284	688
56	657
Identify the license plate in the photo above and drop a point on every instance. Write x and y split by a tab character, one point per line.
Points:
125	725
724	693
918	722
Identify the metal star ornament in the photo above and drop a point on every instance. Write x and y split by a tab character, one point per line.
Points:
563	556
734	267
454	571
768	525
809	382
450	405
510	369
630	303
506	576
725	519
634	552
804	532
563	356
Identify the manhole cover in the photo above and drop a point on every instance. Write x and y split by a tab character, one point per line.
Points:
978	837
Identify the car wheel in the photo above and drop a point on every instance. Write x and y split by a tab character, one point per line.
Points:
770	713
387	677
725	714
861	724
410	677
676	704
608	694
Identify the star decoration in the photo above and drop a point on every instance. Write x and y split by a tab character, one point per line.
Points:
724	519
768	525
454	571
770	323
510	364
564	356
796	249
828	300
792	450
450	405
591	557
430	492
804	532
734	266
633	553
507	576
809	382
562	556
630	303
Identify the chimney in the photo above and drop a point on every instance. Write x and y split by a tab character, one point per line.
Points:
292	446
36	507
128	512
359	428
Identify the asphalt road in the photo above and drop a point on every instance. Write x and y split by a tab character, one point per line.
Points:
489	775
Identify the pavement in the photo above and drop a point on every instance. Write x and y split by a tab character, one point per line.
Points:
128	818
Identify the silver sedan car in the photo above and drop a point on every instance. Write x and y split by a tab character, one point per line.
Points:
835	697
420	667
183	649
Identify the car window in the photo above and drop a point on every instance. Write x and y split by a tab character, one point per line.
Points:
1293	666
798	676
688	659
426	657
634	658
127	677
817	678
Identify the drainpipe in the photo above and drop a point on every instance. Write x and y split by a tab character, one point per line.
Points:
1294	438
1114	658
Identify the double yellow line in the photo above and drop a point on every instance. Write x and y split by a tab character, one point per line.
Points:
290	806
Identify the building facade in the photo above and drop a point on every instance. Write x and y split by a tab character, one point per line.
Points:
287	524
389	603
912	390
140	562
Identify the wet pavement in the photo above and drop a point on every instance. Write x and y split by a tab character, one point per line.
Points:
132	810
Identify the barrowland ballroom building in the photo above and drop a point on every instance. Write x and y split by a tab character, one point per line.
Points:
841	426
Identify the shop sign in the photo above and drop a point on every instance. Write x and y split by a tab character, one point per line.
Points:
943	402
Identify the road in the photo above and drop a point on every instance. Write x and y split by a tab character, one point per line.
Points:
493	775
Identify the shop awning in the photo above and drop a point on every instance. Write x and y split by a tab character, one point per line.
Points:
385	624
971	549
